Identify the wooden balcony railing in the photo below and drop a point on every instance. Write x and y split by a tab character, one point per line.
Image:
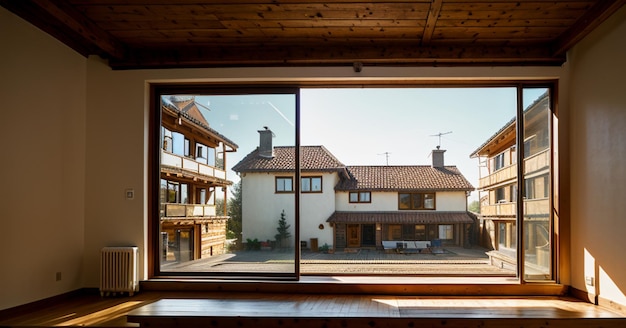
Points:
188	164
537	162
188	210
532	207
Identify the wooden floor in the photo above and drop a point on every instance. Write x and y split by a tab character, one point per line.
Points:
219	309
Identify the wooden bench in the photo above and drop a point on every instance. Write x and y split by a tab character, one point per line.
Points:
405	246
314	311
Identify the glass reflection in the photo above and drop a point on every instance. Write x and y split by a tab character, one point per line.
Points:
215	150
537	227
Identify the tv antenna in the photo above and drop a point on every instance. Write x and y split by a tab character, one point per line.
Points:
386	156
439	135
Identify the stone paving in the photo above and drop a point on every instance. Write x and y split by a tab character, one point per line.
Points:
445	261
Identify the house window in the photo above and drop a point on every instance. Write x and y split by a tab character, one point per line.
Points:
259	206
311	184
201	153
498	161
529	188
394	232
284	184
513	190
501	195
166	143
360	197
174	192
416	201
187	148
420	232
203	196
178	143
446	231
205	154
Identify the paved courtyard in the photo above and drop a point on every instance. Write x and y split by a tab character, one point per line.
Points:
445	261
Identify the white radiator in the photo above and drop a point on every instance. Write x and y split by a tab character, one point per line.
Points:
119	271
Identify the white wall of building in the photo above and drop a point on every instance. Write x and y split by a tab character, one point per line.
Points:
388	201
316	208
451	201
262	206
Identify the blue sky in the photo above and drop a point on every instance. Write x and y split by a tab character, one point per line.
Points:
360	125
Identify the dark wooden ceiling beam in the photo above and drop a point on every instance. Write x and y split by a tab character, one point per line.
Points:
388	55
73	20
192	33
602	10
431	21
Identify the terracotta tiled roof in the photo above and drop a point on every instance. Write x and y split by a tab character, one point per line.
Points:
312	158
401	217
413	177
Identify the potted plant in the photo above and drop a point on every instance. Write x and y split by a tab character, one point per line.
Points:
326	249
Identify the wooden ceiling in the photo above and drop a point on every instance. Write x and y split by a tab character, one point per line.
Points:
134	34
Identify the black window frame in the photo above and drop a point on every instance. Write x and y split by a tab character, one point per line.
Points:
310	178
359	198
153	240
412	206
283	191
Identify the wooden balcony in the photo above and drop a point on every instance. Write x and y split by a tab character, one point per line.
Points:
190	166
533	164
532	207
188	210
502	209
502	175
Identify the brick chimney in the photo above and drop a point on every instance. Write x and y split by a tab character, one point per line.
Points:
265	143
437	155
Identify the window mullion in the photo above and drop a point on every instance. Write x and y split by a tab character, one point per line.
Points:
519	127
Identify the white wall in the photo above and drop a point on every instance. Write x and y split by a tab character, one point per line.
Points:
388	201
451	201
598	159
262	207
315	209
42	166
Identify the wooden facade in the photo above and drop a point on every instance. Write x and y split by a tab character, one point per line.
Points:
192	173
500	190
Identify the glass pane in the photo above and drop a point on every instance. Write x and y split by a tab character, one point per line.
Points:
316	184
404	201
429	201
306	184
416	201
537	227
178	143
221	213
392	141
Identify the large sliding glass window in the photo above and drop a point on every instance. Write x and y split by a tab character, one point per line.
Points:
375	184
221	212
537	223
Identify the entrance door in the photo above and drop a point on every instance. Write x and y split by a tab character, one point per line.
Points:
185	244
354	237
368	235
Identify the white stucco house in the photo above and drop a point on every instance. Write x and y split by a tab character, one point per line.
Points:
350	207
